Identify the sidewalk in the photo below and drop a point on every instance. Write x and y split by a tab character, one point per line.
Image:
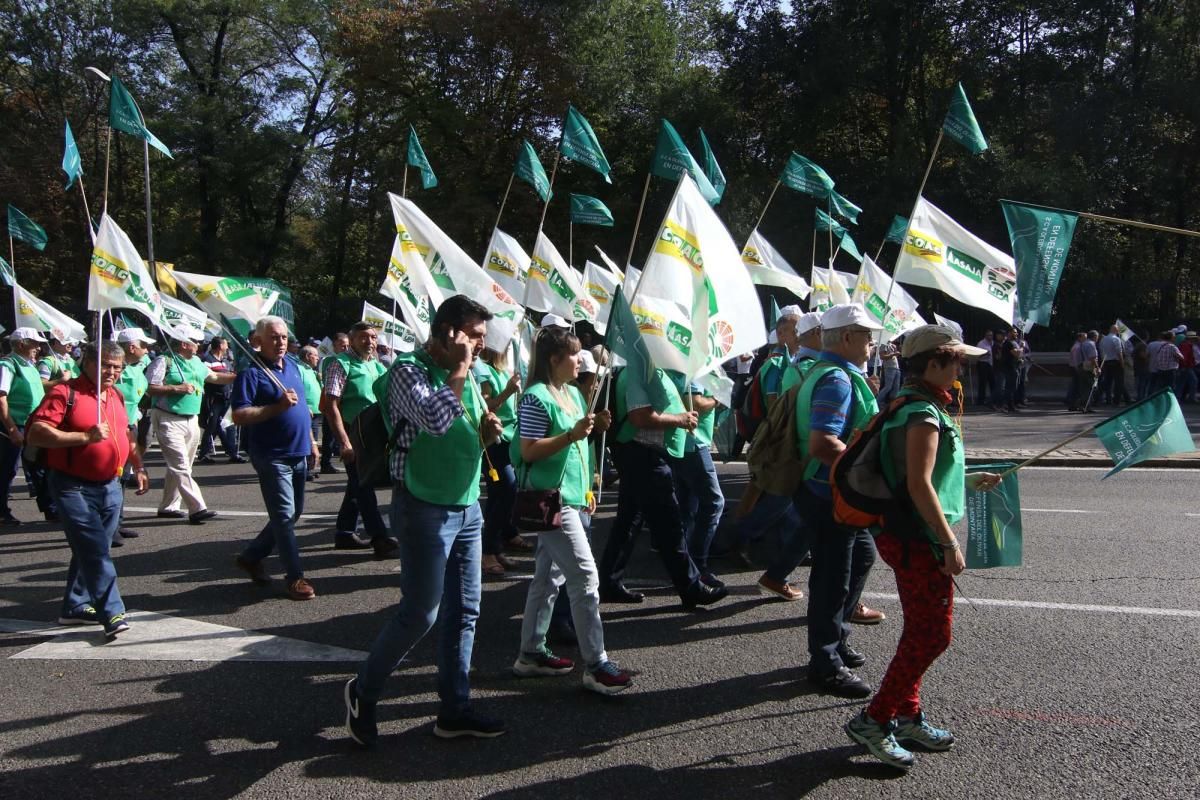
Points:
998	436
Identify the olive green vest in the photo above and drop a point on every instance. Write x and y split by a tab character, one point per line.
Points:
569	469
25	392
194	371
862	408
949	466
444	470
664	399
359	391
497	381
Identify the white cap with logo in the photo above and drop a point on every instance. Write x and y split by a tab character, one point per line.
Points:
27	333
132	335
849	315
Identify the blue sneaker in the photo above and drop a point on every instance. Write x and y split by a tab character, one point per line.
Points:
360	716
879	741
115	625
84	615
467	723
916	730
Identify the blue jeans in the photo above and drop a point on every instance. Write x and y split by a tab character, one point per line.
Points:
497	516
359	500
217	406
771	510
842	559
10	459
890	386
700	501
794	546
89	513
282	484
439	579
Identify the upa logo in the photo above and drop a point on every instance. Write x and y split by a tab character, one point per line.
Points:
1000	282
720	338
584	309
501	295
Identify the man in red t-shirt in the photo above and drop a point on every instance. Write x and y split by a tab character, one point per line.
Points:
85	435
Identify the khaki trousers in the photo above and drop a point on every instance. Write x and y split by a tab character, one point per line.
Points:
179	437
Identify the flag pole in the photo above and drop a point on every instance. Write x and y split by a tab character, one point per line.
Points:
1118	220
928	169
99	368
550	192
149	226
637	223
829	206
571	244
1045	453
404	183
107	152
504	199
877	252
12	259
86	213
767	205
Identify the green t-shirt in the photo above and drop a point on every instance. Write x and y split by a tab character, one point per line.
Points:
132	387
496	381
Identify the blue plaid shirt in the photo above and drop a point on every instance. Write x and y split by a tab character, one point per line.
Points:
411	396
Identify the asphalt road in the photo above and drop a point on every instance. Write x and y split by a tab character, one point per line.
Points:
1093	697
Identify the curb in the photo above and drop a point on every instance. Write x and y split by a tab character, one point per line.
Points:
1085	461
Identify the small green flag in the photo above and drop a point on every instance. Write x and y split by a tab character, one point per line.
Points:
587	210
416	158
994	533
844	208
960	124
1041	238
579	143
824	222
529	169
804	176
7	276
773	317
125	116
897	230
712	170
71	163
625	340
848	246
672	158
22	228
1152	428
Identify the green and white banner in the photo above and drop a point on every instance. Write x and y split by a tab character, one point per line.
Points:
30	312
177	313
1041	238
828	289
579	144
507	263
891	306
1153	428
233	298
768	268
118	277
994	522
805	177
554	286
600	285
395	334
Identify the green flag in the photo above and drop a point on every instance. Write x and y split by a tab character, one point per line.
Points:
994	522
960	124
824	222
579	143
848	246
1152	428
773	317
897	230
672	158
1040	240
625	340
529	169
806	177
71	163
416	158
22	228
712	170
844	208
125	116
7	276
587	210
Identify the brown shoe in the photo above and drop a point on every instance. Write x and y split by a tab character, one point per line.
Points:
254	569
301	589
779	589
867	616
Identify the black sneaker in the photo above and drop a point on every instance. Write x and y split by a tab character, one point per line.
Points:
8	520
128	533
350	541
84	615
360	716
117	541
385	546
467	723
172	514
851	657
617	593
708	579
201	516
842	683
205	459
255	569
114	626
703	595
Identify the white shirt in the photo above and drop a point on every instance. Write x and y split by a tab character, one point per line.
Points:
986	358
1111	347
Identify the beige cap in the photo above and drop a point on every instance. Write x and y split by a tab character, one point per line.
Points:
931	337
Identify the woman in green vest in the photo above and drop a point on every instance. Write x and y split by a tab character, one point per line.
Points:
499	389
550	452
922	451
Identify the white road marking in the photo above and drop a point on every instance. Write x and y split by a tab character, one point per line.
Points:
1136	610
158	637
1063	511
222	513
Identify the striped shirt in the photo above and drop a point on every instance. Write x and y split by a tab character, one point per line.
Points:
832	402
532	419
412	398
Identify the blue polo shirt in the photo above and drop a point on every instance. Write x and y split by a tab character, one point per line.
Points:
285	436
832	403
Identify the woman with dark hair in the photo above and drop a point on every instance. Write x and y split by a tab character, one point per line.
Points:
499	390
550	452
922	451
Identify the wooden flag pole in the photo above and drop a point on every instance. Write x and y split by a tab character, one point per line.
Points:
928	169
830	212
86	213
880	250
637	223
766	205
549	193
504	200
404	182
12	259
1117	220
107	152
149	226
1045	453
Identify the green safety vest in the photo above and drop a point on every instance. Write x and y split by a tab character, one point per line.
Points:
702	437
132	387
312	386
444	470
949	466
568	470
862	408
775	362
359	391
25	392
195	372
664	399
507	411
60	366
795	372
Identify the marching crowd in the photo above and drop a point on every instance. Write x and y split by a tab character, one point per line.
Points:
428	422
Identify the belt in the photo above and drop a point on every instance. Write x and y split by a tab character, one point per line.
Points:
172	413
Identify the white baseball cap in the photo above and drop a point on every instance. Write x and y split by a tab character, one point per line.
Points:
847	315
587	362
133	335
554	321
791	311
27	333
183	333
808	322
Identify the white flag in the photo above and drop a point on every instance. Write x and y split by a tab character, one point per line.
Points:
827	290
507	263
118	277
696	304
554	286
941	254
176	312
849	279
31	312
231	297
891	306
949	323
768	268
600	285
455	272
395	334
398	285
612	265
1124	331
